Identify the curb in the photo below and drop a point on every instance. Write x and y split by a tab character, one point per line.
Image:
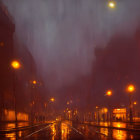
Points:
21	128
118	128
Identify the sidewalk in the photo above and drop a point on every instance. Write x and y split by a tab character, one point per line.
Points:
9	127
11	124
115	125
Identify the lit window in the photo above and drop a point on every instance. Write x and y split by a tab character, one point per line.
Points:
1	44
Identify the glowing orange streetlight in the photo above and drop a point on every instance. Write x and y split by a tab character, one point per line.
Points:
135	103
131	88
109	93
33	85
134	109
15	64
97	107
52	99
34	82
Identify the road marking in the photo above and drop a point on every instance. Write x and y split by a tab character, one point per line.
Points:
75	130
19	128
37	131
83	134
100	133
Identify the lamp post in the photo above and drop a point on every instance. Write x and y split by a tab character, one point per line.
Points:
130	89
134	108
97	115
109	94
52	99
33	84
135	103
51	106
15	65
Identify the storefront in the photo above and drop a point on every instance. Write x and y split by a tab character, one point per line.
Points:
119	114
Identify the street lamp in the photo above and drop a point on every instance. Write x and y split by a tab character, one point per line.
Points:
112	4
52	109
52	99
135	103
134	109
130	89
34	82
109	94
97	115
15	64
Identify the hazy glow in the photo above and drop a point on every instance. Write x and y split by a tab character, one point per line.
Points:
119	110
10	115
15	64
22	116
52	99
104	110
104	131
109	93
119	113
135	103
1	44
64	131
11	136
62	38
119	134
119	124
53	129
97	107
34	82
112	4
131	88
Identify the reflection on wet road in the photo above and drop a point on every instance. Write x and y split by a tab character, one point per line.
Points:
67	130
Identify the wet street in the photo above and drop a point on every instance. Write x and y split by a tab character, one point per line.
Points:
69	69
67	131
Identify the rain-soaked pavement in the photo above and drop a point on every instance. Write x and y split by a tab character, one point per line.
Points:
67	131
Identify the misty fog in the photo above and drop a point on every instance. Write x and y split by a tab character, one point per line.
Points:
62	34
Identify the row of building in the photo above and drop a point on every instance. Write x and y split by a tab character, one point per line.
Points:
25	92
102	114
